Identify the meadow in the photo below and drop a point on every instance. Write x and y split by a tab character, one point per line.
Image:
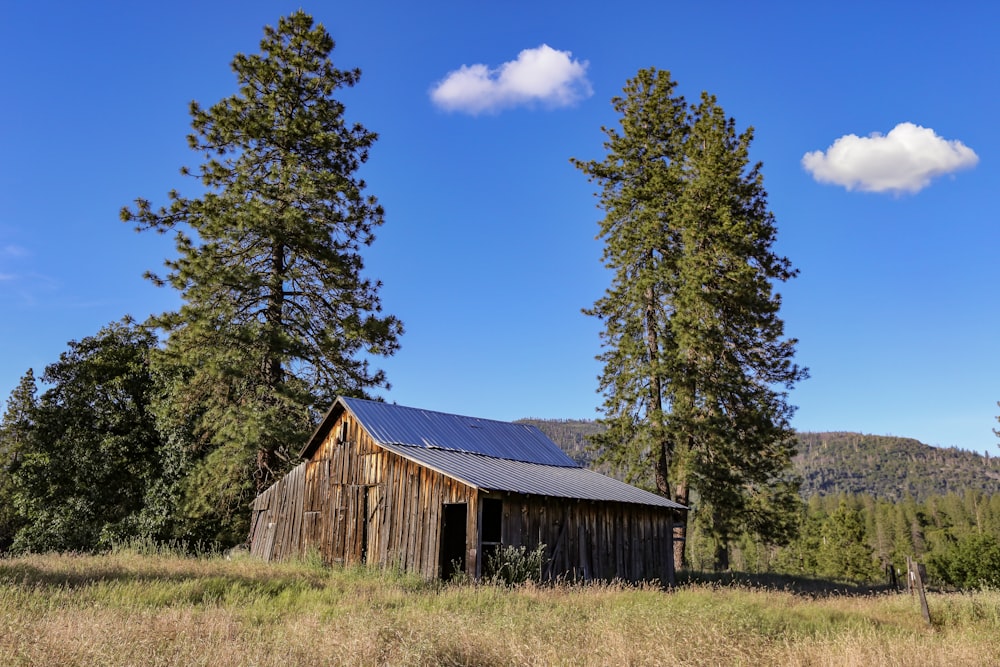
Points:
134	607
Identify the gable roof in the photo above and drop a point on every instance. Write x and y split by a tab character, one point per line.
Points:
482	453
388	423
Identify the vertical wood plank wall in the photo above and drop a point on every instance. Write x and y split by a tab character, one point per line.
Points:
355	502
592	540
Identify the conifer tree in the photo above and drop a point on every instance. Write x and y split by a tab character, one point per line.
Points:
277	318
640	178
15	432
844	551
996	432
697	367
733	365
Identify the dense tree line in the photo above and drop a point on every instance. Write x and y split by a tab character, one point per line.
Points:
858	538
833	462
941	505
82	458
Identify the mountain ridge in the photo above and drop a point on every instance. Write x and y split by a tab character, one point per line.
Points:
833	462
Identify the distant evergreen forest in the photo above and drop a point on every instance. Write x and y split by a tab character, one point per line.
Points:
869	502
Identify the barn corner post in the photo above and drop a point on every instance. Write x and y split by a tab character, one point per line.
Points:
671	559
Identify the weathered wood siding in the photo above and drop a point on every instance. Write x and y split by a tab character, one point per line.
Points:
593	540
355	502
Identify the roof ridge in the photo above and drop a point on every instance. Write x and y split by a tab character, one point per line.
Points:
432	429
394	405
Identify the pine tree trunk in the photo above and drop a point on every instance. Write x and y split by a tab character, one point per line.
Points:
680	528
721	558
268	464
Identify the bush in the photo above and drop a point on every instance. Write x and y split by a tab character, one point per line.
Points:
972	562
510	566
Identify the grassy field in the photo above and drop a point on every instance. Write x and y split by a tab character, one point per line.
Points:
127	608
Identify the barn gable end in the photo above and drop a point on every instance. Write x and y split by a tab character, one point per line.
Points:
428	492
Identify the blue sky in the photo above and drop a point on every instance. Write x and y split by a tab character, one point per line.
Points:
488	252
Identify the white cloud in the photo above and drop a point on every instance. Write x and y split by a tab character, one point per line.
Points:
542	75
905	160
13	251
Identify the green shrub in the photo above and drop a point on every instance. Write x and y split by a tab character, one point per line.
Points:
972	562
510	566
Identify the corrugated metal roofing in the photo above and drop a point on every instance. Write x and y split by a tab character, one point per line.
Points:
494	474
392	424
483	453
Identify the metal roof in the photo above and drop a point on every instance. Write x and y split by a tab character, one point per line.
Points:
483	453
392	424
494	474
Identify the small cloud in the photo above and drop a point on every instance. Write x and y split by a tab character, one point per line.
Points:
905	160
13	251
542	75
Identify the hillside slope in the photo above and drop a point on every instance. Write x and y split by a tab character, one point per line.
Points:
570	434
843	462
890	467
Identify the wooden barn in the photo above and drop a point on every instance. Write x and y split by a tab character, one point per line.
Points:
430	492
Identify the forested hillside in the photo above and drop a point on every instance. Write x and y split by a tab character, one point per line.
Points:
570	434
889	467
831	463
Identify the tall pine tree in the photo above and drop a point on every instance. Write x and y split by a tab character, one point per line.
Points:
277	318
640	177
696	365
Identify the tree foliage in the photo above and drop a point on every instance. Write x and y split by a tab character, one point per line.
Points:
972	562
885	499
15	432
843	551
277	317
89	448
639	177
696	364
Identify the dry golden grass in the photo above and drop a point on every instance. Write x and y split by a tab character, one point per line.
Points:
129	609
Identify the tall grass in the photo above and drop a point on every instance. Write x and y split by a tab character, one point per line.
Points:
163	608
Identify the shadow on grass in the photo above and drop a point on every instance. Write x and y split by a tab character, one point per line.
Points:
812	587
66	572
96	571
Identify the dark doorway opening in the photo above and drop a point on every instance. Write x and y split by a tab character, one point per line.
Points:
453	522
490	537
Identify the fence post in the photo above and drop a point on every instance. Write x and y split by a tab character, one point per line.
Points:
915	580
